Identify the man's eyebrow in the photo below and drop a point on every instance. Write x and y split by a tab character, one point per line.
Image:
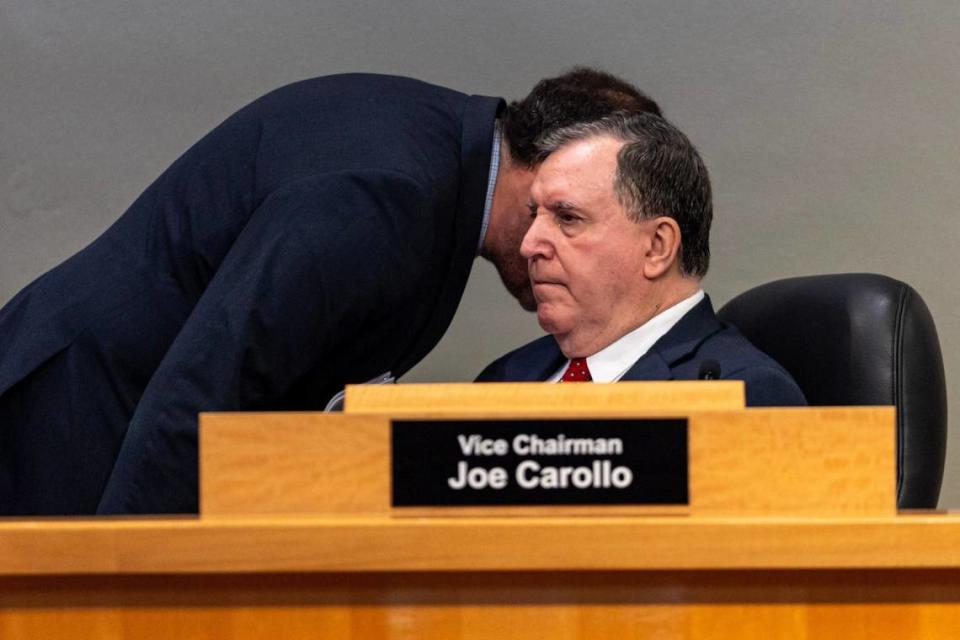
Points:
555	205
562	205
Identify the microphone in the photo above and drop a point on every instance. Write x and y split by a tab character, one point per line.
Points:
709	370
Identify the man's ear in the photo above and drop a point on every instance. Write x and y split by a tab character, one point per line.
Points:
664	249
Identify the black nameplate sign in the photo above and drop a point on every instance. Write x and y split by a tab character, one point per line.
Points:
539	462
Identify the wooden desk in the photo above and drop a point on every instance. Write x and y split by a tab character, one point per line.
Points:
376	577
791	532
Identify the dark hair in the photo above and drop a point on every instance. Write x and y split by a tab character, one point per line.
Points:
659	173
579	95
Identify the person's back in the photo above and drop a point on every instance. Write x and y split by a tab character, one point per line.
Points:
347	173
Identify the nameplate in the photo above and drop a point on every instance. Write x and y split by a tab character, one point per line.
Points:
539	462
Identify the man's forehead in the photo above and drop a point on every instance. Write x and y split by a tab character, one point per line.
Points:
577	168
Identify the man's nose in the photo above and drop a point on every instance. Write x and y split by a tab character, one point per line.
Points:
536	242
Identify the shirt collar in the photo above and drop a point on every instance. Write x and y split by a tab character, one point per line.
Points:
491	182
610	363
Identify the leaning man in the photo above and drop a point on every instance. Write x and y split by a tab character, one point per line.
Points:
618	245
320	236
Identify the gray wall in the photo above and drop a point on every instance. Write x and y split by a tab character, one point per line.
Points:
830	128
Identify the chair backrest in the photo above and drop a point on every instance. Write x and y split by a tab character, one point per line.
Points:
859	339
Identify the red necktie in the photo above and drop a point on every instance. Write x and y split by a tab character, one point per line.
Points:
577	371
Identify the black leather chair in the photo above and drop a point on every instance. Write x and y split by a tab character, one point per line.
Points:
859	339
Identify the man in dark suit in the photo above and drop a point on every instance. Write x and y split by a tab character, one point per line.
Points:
619	242
320	236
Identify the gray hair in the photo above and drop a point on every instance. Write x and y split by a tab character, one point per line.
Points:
659	173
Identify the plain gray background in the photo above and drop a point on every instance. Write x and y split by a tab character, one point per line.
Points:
829	128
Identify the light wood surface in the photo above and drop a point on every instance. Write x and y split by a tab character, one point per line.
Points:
362	544
805	461
381	578
289	463
854	570
525	399
824	460
663	605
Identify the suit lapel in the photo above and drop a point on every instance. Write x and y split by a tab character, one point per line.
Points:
677	345
650	367
541	362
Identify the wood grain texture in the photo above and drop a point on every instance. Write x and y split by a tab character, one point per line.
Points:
661	604
823	460
805	461
374	576
526	399
293	463
363	544
381	578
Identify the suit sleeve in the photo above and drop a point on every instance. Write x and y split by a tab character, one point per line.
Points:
315	264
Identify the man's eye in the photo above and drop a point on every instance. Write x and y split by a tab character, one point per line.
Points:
567	218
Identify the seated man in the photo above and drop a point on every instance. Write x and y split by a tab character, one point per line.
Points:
619	242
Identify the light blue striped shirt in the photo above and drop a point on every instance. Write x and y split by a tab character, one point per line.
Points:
491	183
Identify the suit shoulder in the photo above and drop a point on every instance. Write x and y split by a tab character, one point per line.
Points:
767	382
353	88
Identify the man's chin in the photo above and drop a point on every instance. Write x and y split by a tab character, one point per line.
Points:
549	322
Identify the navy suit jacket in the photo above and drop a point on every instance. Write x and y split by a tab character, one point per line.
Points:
698	337
322	235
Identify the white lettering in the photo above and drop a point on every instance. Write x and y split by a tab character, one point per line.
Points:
601	474
476	445
530	444
549	478
467	443
622	477
525	481
521	444
582	478
461	480
477	477
498	477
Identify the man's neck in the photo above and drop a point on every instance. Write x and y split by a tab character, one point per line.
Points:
613	361
660	299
